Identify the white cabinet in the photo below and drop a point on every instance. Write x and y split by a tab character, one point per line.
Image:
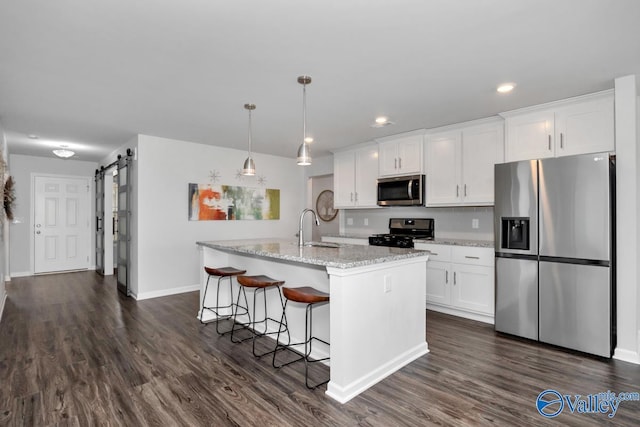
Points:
576	126
401	155
460	280
355	177
460	165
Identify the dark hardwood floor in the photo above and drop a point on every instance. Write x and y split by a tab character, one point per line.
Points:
75	352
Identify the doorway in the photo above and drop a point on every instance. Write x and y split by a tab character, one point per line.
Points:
62	234
328	225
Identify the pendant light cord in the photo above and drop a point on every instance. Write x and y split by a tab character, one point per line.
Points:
304	113
250	133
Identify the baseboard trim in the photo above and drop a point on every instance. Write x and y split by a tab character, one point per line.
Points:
165	292
484	318
627	356
4	299
21	273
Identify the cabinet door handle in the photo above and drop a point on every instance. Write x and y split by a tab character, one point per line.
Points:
457	191
395	163
434	253
561	140
471	257
549	142
454	277
356	196
465	190
352	197
399	162
446	276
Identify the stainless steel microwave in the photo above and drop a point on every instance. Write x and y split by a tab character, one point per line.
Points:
401	191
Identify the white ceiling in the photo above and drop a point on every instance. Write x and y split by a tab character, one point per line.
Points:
92	74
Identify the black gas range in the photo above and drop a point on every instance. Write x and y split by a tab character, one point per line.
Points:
402	232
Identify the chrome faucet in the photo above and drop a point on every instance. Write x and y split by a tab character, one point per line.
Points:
300	236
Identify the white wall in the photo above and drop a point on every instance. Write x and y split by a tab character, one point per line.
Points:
628	207
22	167
166	259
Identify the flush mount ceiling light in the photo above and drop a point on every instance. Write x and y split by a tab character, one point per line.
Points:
506	87
249	167
63	152
304	151
381	122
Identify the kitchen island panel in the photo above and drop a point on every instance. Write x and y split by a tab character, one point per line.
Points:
378	324
376	320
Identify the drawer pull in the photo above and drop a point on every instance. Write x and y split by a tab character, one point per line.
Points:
433	253
472	257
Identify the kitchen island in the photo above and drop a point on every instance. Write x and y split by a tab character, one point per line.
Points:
375	321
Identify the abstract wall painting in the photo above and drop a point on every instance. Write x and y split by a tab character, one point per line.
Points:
226	202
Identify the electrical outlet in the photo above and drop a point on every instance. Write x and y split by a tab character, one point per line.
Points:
366	221
387	284
475	223
349	221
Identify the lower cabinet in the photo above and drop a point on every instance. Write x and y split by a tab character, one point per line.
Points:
460	281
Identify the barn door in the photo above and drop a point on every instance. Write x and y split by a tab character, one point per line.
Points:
99	194
123	180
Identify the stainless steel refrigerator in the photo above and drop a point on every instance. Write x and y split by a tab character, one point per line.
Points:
555	251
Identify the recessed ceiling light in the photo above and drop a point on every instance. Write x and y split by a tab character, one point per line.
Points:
506	87
32	136
382	121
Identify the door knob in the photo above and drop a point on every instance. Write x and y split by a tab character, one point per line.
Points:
38	232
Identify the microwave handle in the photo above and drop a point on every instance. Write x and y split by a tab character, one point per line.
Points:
410	190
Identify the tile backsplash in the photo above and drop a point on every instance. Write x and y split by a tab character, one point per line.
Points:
455	222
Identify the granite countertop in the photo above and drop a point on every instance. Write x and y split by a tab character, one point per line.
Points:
341	256
458	242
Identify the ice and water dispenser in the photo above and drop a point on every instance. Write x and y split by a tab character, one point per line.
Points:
515	233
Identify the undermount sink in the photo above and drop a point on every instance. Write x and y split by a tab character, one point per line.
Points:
323	244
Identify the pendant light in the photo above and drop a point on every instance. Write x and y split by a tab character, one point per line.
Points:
249	167
304	151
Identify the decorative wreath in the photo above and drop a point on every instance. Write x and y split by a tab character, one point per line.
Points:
9	198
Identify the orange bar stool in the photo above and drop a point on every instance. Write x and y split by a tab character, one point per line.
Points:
312	298
260	285
221	273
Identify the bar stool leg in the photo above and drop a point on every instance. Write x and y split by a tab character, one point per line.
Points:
230	305
280	324
245	308
308	346
217	306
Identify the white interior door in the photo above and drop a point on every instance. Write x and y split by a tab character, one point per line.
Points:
61	224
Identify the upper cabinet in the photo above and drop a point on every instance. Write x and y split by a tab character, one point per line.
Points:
460	164
575	126
355	177
401	154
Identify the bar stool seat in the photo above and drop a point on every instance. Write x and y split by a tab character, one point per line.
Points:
259	284
221	273
312	298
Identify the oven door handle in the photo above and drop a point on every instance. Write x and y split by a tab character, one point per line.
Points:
410	189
